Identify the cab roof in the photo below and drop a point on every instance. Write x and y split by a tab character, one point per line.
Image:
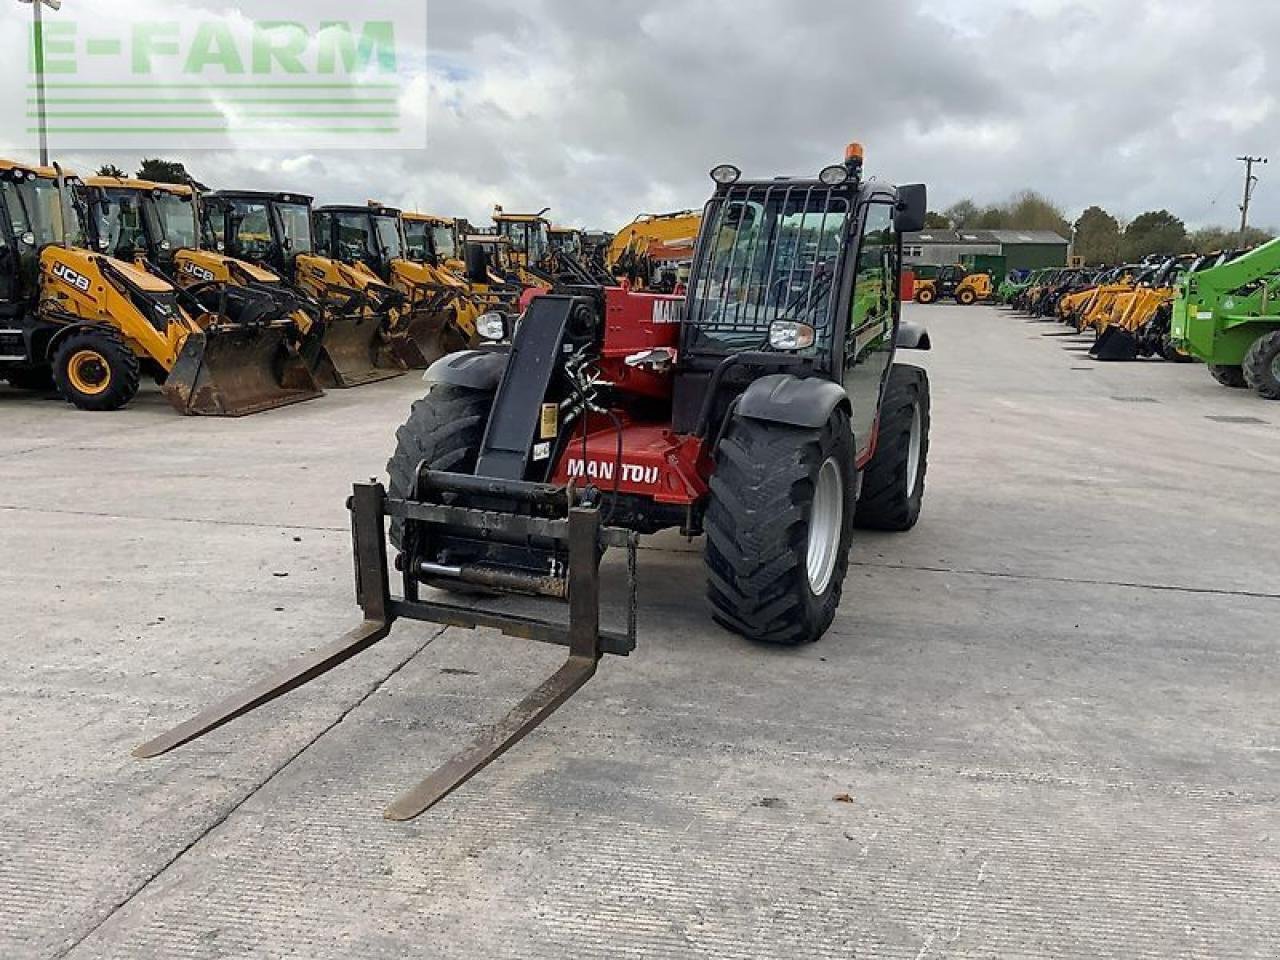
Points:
48	173
427	218
130	183
373	208
265	196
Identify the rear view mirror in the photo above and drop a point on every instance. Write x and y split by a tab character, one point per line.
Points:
913	202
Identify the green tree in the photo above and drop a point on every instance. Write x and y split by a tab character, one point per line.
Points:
1156	231
962	214
1030	210
936	221
1098	237
1210	239
162	171
111	170
992	218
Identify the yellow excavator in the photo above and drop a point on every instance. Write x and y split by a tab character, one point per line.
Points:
90	324
275	232
654	251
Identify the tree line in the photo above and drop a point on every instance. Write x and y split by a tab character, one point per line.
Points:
1100	238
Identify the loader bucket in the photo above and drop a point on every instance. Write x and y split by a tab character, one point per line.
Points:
1115	344
234	371
349	353
426	335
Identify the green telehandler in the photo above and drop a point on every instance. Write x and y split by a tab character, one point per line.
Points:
1229	317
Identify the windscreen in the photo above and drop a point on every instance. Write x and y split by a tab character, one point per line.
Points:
296	220
249	223
389	239
417	240
177	220
38	207
770	253
445	244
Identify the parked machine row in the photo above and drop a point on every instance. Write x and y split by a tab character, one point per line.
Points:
1221	309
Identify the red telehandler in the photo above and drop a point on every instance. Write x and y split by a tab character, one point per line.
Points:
764	410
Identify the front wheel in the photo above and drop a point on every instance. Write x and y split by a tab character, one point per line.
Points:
1262	366
926	295
893	482
966	298
779	527
1229	376
96	370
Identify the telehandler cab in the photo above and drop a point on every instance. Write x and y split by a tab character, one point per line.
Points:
764	410
90	324
274	231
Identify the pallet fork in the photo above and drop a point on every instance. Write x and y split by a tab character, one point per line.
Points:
574	522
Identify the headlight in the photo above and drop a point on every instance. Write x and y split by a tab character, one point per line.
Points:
726	174
834	175
491	326
166	245
790	335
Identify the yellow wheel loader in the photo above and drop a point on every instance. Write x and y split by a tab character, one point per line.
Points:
157	227
958	284
91	324
275	231
437	316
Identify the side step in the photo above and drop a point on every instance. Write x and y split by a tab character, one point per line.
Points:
586	541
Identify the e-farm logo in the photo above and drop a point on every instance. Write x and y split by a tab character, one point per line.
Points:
116	78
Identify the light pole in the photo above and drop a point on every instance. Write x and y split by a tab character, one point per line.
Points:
38	35
1250	181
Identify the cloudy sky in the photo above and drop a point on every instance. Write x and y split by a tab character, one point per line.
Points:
605	108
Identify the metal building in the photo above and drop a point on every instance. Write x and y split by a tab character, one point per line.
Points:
1022	249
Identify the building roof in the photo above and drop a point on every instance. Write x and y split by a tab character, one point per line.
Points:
1009	238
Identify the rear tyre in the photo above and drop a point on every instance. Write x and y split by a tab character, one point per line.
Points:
926	295
95	370
966	298
1262	366
1229	376
445	429
893	482
779	527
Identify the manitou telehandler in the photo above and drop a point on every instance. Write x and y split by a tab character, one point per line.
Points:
1228	316
91	325
764	410
274	231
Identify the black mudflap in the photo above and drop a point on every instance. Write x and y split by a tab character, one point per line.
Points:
350	353
236	371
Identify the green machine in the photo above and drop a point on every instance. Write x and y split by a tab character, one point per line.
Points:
1229	317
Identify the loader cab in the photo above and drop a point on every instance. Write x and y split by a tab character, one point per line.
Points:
370	236
565	240
430	240
36	214
527	233
271	229
487	256
799	276
137	219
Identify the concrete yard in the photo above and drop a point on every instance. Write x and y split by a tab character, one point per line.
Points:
1044	724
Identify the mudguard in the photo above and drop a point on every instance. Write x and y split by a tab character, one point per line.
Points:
787	399
913	336
473	369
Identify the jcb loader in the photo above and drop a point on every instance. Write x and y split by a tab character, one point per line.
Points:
274	231
958	284
157	227
91	324
1127	336
765	410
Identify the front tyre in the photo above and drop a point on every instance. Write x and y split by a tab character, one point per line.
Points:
926	295
444	429
95	370
779	527
1262	366
966	298
1229	376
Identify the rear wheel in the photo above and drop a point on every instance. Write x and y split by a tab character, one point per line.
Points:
1229	376
1262	365
95	370
444	429
893	482
779	526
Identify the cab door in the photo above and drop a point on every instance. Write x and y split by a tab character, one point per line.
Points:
869	340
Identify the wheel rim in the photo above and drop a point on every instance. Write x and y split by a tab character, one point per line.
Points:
915	445
826	522
89	372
